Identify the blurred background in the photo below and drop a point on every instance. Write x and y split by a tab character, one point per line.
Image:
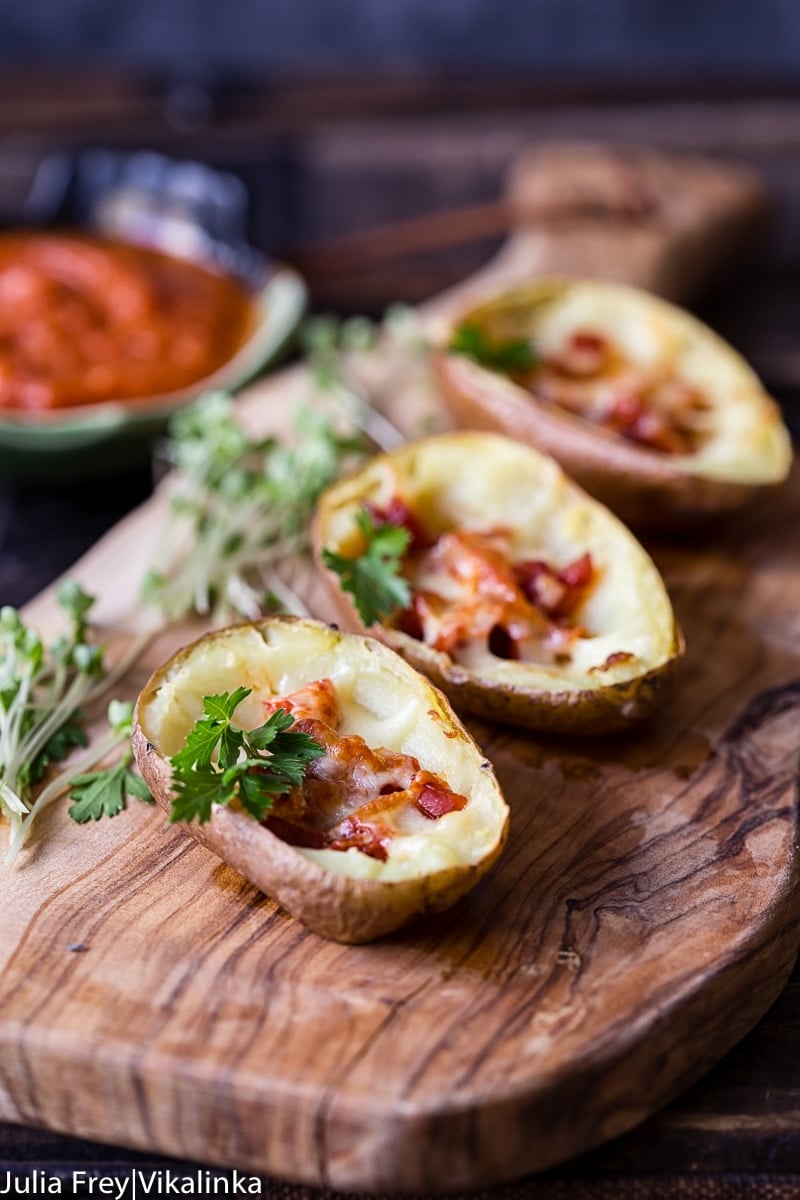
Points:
341	114
344	115
256	35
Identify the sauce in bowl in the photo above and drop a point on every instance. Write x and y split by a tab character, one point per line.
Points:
85	320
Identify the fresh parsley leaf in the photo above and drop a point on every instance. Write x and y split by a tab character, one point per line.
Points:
213	732
252	766
263	737
195	791
373	578
509	356
256	796
103	793
222	707
291	753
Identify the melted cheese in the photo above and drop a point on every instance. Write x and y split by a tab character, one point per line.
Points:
380	698
744	439
474	481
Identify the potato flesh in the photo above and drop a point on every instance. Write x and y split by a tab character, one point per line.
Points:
745	440
381	699
482	481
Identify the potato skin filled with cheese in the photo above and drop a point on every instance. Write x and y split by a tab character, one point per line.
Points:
641	403
431	858
601	669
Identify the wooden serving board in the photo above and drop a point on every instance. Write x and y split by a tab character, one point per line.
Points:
642	918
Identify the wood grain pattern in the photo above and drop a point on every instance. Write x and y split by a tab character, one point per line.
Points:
643	917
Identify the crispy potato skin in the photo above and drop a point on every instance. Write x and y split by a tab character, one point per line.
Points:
645	488
611	708
639	485
336	906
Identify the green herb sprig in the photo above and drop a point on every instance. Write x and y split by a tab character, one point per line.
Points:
373	578
222	762
510	356
41	690
242	507
104	793
342	356
80	783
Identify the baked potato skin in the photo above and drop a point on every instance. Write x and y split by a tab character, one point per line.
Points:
336	906
638	485
612	708
647	489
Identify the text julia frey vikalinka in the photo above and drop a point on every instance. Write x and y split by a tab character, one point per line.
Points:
132	1185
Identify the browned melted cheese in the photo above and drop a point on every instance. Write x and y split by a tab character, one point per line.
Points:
84	320
354	796
592	378
466	588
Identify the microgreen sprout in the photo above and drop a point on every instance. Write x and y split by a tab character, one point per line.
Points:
332	349
241	509
41	690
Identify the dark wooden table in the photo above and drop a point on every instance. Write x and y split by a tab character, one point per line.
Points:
324	159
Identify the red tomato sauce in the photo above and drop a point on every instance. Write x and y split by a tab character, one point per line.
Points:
83	320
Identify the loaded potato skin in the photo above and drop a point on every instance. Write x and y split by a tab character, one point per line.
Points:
550	615
435	847
641	403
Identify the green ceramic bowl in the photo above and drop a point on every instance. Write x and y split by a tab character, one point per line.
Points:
93	440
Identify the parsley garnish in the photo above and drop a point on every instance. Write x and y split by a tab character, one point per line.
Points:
99	794
509	355
103	793
373	578
251	766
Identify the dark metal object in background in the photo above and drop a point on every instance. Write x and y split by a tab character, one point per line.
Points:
183	207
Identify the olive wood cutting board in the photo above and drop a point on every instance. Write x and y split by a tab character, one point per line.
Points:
642	918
